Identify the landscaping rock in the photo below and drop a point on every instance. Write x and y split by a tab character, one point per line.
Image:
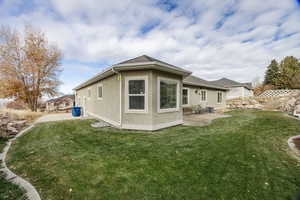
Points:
297	110
8	127
288	103
100	124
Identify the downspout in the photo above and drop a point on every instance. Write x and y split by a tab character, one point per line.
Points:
120	79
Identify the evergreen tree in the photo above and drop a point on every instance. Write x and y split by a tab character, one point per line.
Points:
289	70
272	73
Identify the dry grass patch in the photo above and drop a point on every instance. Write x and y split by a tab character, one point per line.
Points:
22	114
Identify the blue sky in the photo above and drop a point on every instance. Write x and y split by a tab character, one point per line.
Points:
214	39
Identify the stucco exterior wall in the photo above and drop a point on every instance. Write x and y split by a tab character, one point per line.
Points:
212	97
152	119
248	93
108	107
166	117
134	119
237	92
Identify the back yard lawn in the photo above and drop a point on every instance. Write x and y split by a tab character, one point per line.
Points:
244	157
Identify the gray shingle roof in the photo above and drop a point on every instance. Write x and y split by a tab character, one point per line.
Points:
71	96
225	82
141	62
145	58
196	81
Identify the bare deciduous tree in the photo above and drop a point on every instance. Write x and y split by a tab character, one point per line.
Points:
29	66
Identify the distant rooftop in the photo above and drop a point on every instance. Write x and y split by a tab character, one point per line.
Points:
225	82
196	81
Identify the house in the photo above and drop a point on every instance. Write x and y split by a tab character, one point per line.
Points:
60	104
236	89
144	93
197	91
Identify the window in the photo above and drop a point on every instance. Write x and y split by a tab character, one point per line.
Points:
89	92
203	95
219	100
136	89
100	91
185	96
168	95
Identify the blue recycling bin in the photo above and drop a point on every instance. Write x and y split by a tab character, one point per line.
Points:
76	111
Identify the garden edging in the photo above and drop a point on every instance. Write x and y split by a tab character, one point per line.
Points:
31	192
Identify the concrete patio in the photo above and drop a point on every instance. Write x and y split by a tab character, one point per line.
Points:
56	117
201	119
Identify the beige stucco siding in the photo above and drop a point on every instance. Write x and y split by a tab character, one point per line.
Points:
212	97
115	100
129	118
237	92
166	117
108	107
152	119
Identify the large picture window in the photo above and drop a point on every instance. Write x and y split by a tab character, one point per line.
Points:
185	96
168	94
137	94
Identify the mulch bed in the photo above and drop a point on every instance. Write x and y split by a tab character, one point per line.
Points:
296	141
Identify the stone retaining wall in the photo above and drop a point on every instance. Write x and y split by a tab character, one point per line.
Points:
287	103
9	127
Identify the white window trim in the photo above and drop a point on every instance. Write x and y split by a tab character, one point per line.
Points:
201	95
99	85
218	97
89	96
188	96
127	79
178	100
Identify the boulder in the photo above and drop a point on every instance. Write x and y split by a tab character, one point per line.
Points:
9	127
297	110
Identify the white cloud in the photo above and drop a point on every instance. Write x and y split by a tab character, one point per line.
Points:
230	38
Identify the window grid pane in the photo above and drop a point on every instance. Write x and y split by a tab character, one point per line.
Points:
136	94
136	87
203	95
219	97
100	91
168	94
137	102
184	96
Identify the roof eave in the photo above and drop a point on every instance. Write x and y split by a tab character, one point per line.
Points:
133	66
95	78
204	85
152	65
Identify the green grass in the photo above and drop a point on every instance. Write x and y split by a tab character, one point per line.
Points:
245	157
2	144
8	191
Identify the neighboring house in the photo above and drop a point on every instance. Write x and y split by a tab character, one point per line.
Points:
141	93
197	91
236	89
60	104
